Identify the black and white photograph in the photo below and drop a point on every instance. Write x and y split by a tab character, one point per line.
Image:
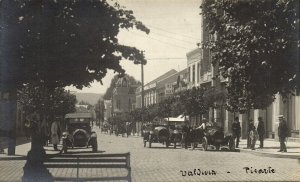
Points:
149	90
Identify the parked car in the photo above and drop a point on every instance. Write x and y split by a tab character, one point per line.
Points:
78	132
156	133
215	136
175	135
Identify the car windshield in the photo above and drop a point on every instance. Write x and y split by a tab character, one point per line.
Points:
78	120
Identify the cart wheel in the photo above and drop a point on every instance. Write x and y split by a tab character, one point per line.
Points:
204	144
95	146
145	143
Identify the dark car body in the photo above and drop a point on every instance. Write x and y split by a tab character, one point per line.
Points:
78	132
155	133
175	135
215	136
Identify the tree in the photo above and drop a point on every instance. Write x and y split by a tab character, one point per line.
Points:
193	101
257	46
34	98
61	43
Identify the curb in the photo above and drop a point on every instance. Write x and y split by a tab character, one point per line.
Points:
266	154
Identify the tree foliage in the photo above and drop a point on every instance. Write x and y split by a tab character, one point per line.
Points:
34	98
61	43
256	43
191	102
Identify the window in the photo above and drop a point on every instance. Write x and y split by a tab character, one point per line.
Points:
198	72
189	74
193	73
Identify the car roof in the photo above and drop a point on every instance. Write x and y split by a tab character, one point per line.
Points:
78	115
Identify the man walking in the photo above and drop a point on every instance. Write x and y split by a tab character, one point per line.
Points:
261	132
250	127
282	133
54	134
236	130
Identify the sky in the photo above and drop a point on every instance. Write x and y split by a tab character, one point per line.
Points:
175	30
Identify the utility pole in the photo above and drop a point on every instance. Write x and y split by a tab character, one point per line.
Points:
142	93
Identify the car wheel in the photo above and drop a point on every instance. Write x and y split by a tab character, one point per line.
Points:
204	144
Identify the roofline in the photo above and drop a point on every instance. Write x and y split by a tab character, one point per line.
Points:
188	54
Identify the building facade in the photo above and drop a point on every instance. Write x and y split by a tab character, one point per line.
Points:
123	97
210	78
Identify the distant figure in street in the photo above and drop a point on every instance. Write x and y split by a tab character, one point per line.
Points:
27	129
44	131
236	131
253	137
185	133
204	124
261	132
282	133
250	127
54	134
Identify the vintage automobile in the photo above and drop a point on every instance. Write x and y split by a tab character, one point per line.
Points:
105	128
175	135
193	137
78	132
156	133
214	136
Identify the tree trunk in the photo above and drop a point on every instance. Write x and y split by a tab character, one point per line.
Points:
34	170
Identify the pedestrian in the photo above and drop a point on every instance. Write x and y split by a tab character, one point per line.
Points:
44	131
250	127
185	133
236	131
54	134
253	137
27	129
204	124
282	133
261	132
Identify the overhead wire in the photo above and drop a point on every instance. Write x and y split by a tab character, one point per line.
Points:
161	29
175	45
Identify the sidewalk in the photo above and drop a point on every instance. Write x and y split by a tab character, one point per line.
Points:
271	148
23	147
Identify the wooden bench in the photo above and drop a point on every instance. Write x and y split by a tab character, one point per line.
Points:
80	161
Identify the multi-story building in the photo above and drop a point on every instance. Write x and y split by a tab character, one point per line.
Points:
193	67
150	90
165	85
210	77
123	97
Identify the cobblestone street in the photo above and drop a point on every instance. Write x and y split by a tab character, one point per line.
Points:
165	164
161	164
